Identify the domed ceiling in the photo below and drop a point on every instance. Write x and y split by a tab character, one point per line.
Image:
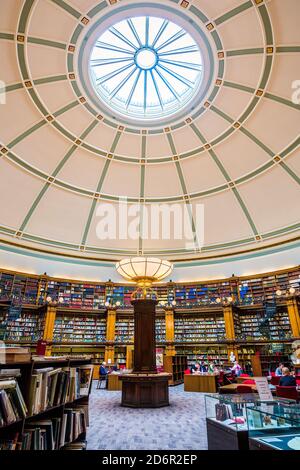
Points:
75	132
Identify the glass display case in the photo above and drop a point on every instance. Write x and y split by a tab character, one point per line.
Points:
230	410
227	418
274	426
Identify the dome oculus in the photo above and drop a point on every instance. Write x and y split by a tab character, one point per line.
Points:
146	67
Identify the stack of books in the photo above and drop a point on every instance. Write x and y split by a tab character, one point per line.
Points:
12	404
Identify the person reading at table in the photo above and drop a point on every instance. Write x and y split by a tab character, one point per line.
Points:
236	369
287	380
195	368
278	371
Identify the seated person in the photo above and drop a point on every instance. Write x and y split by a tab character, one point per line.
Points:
236	369
203	367
195	368
287	380
278	371
103	371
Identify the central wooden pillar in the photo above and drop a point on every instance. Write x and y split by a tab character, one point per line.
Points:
144	358
144	387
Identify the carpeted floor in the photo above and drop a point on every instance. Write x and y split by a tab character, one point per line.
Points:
178	426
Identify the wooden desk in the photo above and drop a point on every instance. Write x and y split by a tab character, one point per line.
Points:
200	383
113	382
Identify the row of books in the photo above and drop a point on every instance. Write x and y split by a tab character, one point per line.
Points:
51	434
54	386
95	294
28	326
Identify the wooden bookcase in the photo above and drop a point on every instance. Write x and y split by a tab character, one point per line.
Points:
175	365
26	369
197	328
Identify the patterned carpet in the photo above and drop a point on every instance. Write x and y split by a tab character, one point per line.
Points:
179	426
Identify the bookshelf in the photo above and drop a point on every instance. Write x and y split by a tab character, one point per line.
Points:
160	330
63	412
202	294
79	328
121	294
27	326
124	331
212	353
19	286
250	290
247	325
120	355
272	354
94	351
201	328
175	365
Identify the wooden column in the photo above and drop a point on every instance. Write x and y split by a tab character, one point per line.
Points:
294	317
144	336
170	332
229	323
109	355
49	327
229	330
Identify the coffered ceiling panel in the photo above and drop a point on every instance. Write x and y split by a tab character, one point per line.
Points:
81	168
285	21
20	114
232	153
41	68
129	185
62	220
275	203
244	70
43	149
196	169
274	124
216	205
16	202
64	22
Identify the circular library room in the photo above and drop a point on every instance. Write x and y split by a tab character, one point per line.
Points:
149	229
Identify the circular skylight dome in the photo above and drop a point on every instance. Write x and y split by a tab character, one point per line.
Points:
146	67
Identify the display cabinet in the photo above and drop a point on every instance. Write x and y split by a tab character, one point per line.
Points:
227	419
274	426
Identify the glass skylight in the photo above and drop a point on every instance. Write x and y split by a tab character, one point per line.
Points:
146	67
